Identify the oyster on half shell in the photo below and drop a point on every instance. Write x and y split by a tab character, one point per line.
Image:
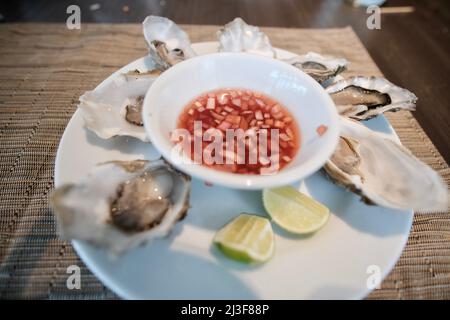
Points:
167	43
318	67
363	98
114	109
238	36
122	204
383	172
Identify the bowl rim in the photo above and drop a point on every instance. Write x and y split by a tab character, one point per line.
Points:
241	181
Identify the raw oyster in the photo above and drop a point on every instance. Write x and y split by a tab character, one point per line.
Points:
383	172
363	98
122	204
238	36
319	67
114	109
167	43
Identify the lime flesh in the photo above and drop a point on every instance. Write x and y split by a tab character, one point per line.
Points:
247	238
295	211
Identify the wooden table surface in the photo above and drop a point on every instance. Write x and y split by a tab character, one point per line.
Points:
411	49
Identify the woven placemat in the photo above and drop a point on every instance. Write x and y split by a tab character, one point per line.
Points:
46	67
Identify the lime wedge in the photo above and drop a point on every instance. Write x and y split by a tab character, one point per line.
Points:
294	211
247	238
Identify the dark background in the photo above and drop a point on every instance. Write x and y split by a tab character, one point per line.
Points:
411	49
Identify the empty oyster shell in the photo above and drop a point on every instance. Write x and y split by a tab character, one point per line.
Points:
167	43
238	36
363	98
383	172
122	204
115	108
319	67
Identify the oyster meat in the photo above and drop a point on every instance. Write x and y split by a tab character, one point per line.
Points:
363	98
383	172
114	109
167	43
122	204
238	36
318	67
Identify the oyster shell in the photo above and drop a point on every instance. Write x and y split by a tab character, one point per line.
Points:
122	204
383	172
363	98
319	67
115	108
238	36
167	43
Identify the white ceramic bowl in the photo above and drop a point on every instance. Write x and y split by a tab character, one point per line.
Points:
305	99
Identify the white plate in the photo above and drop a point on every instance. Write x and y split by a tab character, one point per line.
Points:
336	262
